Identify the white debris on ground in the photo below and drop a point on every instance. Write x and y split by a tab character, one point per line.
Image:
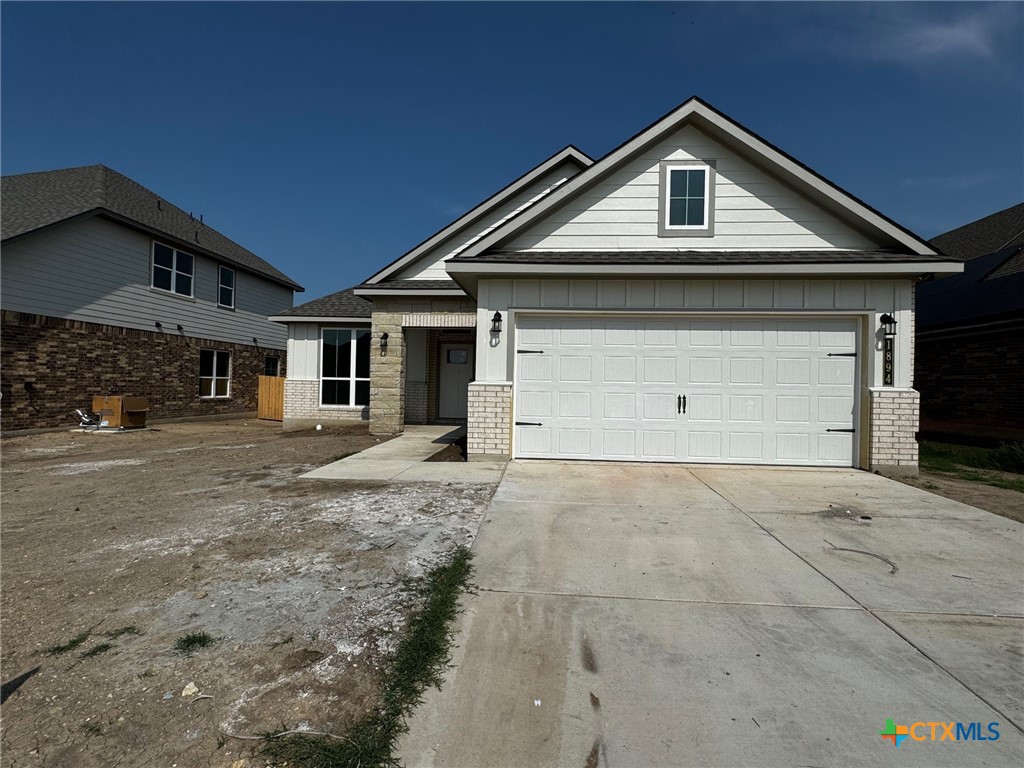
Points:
93	466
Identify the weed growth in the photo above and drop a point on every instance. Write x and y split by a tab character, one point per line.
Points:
423	653
188	644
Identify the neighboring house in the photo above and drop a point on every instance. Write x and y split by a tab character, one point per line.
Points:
969	366
109	289
696	295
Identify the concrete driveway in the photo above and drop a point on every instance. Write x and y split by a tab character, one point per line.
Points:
651	615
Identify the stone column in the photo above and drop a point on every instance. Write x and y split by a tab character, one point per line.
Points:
387	375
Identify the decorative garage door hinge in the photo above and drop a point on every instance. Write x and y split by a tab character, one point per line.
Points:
529	351
528	424
842	354
840	430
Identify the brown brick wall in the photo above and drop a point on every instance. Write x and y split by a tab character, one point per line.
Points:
972	383
68	362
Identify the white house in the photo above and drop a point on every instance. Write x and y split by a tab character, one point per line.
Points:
696	295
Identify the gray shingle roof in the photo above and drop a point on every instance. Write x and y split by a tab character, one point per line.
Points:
979	292
984	236
693	257
32	201
340	304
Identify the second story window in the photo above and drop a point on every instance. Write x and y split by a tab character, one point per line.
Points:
226	287
172	270
687	204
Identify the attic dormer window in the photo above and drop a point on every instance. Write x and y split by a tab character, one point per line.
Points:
686	205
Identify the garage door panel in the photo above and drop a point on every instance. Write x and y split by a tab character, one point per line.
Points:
618	369
758	390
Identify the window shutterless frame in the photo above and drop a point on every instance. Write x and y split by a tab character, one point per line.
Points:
171	270
665	197
225	287
214	373
345	367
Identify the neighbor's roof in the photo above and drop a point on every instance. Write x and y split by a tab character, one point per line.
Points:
341	304
34	201
991	287
984	236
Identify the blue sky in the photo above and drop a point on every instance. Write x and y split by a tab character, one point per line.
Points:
329	138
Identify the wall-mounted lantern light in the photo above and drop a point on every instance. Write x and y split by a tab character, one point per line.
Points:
496	323
180	327
888	323
158	324
384	344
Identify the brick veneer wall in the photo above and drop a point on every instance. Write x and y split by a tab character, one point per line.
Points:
302	406
69	361
894	420
972	381
489	427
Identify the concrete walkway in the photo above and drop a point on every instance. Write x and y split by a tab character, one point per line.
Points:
652	615
404	460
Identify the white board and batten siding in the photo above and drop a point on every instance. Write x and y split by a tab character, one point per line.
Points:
753	210
98	271
430	266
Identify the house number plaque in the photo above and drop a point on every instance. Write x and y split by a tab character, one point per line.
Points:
887	362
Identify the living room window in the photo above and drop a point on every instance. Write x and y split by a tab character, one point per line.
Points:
214	373
686	205
345	367
226	287
172	270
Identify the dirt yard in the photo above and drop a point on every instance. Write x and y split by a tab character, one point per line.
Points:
999	501
131	543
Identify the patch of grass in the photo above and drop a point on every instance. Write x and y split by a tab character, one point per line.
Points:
423	654
188	644
131	629
976	465
70	645
92	729
96	650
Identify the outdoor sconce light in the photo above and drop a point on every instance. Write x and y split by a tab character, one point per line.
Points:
180	327
384	344
496	323
255	341
159	324
888	324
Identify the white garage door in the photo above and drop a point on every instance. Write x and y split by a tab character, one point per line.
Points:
744	391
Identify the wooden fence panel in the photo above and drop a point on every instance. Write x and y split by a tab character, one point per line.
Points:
270	398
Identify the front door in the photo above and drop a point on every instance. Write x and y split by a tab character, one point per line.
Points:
456	371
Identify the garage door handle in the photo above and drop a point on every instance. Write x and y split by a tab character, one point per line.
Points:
528	424
680	403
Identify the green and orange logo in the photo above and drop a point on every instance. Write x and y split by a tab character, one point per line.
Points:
936	731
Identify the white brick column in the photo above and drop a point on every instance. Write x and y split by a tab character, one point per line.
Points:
489	424
893	428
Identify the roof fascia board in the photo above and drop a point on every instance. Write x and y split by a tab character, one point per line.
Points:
510	190
672	270
669	123
317	319
409	292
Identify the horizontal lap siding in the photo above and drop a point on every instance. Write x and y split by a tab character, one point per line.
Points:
753	210
431	265
98	271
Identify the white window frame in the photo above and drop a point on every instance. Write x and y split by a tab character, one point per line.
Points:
221	269
666	229
215	378
153	267
352	379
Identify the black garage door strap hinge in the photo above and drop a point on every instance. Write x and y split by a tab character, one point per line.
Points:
529	351
840	430
528	424
842	354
